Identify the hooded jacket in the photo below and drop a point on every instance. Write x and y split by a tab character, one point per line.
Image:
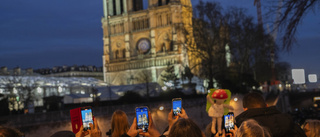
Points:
279	124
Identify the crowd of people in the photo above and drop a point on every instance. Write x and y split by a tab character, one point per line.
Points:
257	120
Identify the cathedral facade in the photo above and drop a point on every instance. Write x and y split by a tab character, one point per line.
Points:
141	37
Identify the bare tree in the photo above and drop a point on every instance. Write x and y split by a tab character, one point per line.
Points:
187	74
291	14
27	91
214	30
209	38
252	50
10	83
24	87
145	77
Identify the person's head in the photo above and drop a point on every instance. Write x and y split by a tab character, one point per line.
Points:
312	128
185	128
253	100
10	132
119	123
63	134
251	128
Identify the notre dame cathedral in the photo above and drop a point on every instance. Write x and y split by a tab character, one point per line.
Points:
142	36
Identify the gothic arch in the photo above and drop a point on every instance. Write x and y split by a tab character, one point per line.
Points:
116	54
123	53
163	42
117	46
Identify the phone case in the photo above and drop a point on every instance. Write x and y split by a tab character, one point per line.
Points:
143	120
230	124
176	99
76	119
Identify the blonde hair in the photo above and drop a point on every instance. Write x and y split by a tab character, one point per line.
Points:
10	132
119	123
314	127
251	128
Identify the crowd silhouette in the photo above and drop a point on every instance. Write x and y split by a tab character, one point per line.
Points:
257	120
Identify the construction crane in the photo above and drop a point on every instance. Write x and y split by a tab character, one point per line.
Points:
273	33
257	3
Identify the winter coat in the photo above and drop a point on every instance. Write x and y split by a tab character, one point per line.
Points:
279	124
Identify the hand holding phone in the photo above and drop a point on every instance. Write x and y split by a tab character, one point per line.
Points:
81	117
176	106
87	117
228	122
142	117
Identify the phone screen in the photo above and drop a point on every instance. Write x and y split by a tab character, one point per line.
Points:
228	122
176	106
142	118
86	114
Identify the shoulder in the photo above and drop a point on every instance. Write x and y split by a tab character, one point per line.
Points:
298	132
259	114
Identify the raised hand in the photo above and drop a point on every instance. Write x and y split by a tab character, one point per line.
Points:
133	131
82	133
152	130
183	114
94	129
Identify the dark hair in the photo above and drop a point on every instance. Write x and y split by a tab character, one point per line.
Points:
63	134
185	128
253	100
10	132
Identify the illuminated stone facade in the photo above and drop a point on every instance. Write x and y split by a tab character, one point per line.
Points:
141	40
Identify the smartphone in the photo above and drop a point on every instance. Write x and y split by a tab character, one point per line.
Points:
142	118
87	117
228	122
176	106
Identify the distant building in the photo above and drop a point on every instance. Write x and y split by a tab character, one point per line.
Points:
142	39
77	98
17	71
72	71
15	84
58	71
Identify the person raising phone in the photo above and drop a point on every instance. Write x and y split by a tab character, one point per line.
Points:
182	126
133	131
94	130
120	126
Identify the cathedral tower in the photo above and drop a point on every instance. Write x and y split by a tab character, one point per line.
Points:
142	36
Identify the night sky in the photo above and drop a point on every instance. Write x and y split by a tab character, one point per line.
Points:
47	33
